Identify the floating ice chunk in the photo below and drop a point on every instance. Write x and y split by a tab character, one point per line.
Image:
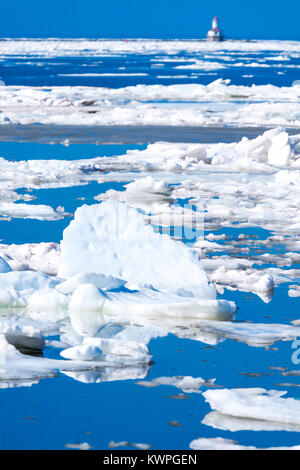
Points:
245	279
116	265
143	193
112	239
185	383
149	185
294	291
15	365
219	443
141	446
84	352
118	347
256	403
21	334
232	423
114	444
18	383
79	446
31	211
149	303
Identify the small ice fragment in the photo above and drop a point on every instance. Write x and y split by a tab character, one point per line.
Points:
79	446
84	352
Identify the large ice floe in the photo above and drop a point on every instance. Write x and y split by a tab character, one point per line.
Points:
219	443
216	104
112	267
109	246
256	404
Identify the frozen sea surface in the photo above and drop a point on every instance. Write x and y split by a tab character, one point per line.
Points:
121	349
148	82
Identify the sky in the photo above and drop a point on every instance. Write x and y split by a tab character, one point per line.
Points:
257	19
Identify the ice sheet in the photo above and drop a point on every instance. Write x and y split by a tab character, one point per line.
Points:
215	104
96	47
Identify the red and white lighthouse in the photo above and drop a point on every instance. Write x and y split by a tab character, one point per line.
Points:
215	33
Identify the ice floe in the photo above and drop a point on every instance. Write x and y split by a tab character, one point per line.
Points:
219	443
140	446
185	383
116	242
216	104
79	446
57	47
225	422
31	211
99	280
255	403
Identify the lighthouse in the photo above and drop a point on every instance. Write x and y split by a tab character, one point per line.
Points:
215	33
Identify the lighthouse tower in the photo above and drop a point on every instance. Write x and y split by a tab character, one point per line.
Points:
215	33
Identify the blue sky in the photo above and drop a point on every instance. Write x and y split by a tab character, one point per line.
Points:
156	18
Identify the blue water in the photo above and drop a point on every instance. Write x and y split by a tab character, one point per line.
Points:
60	71
17	151
60	410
